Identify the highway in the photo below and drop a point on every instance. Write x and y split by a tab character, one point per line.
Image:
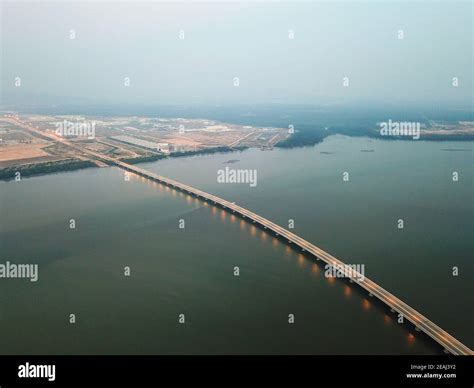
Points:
447	341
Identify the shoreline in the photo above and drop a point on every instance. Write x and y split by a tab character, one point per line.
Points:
37	169
8	174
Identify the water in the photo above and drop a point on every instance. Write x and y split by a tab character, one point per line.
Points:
190	271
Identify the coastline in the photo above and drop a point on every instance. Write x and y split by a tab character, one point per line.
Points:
37	169
29	170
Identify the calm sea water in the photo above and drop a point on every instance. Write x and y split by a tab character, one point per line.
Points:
190	271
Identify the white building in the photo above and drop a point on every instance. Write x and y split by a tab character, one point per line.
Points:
160	147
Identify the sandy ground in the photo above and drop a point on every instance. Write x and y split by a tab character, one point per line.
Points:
182	141
22	151
20	162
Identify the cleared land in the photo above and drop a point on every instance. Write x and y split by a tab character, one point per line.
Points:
23	146
27	151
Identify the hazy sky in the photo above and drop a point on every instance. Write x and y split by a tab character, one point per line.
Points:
248	40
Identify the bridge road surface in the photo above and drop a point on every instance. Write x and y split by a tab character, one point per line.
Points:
447	341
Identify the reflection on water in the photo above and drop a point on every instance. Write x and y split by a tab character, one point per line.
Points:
347	291
366	305
253	230
301	261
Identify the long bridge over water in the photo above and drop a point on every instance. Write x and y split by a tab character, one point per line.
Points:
422	323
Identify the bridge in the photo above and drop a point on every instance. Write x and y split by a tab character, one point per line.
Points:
421	323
